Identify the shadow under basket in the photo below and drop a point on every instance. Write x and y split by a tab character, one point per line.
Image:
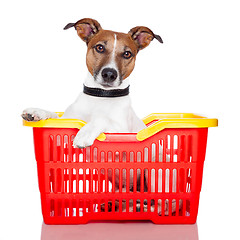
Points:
155	174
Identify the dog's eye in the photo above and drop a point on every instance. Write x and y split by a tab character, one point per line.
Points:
100	48
127	54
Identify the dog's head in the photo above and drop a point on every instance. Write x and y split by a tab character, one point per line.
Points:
111	55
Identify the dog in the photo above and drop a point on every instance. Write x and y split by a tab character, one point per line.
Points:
110	60
104	103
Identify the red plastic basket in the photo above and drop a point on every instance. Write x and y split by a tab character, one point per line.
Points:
121	178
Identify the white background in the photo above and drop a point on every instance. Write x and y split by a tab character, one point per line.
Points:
195	70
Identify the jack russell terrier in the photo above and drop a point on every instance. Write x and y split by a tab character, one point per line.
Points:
104	103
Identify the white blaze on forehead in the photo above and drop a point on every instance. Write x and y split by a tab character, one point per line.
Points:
114	45
112	63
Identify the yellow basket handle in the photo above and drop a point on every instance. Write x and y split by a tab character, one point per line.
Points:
173	120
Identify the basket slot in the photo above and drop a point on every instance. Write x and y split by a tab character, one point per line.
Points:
154	155
131	156
102	206
51	181
159	207
167	176
88	180
50	147
188	208
160	183
109	183
152	207
80	181
106	180
139	157
189	149
146	157
113	180
89	177
189	180
124	180
180	207
55	147
120	181
117	205
127	182
52	208
163	181
84	181
171	145
174	180
77	179
102	184
166	207
95	206
66	148
156	181
152	181
103	157
173	207
136	206
116	157
163	144
125	157
127	205
131	182
170	182
146	180
175	148
139	179
116	179
109	156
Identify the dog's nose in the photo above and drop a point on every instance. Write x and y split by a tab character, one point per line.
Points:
109	74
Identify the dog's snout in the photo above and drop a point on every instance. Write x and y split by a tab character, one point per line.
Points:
109	74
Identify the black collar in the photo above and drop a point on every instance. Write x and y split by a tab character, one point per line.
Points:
98	92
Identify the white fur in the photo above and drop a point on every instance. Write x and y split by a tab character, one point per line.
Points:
101	114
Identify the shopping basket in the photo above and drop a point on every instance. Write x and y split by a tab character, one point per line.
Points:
155	174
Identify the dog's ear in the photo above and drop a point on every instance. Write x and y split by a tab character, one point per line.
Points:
142	36
86	28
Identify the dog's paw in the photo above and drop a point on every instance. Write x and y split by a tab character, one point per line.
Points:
83	139
35	114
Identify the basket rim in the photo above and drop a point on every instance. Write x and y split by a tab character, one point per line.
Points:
160	121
